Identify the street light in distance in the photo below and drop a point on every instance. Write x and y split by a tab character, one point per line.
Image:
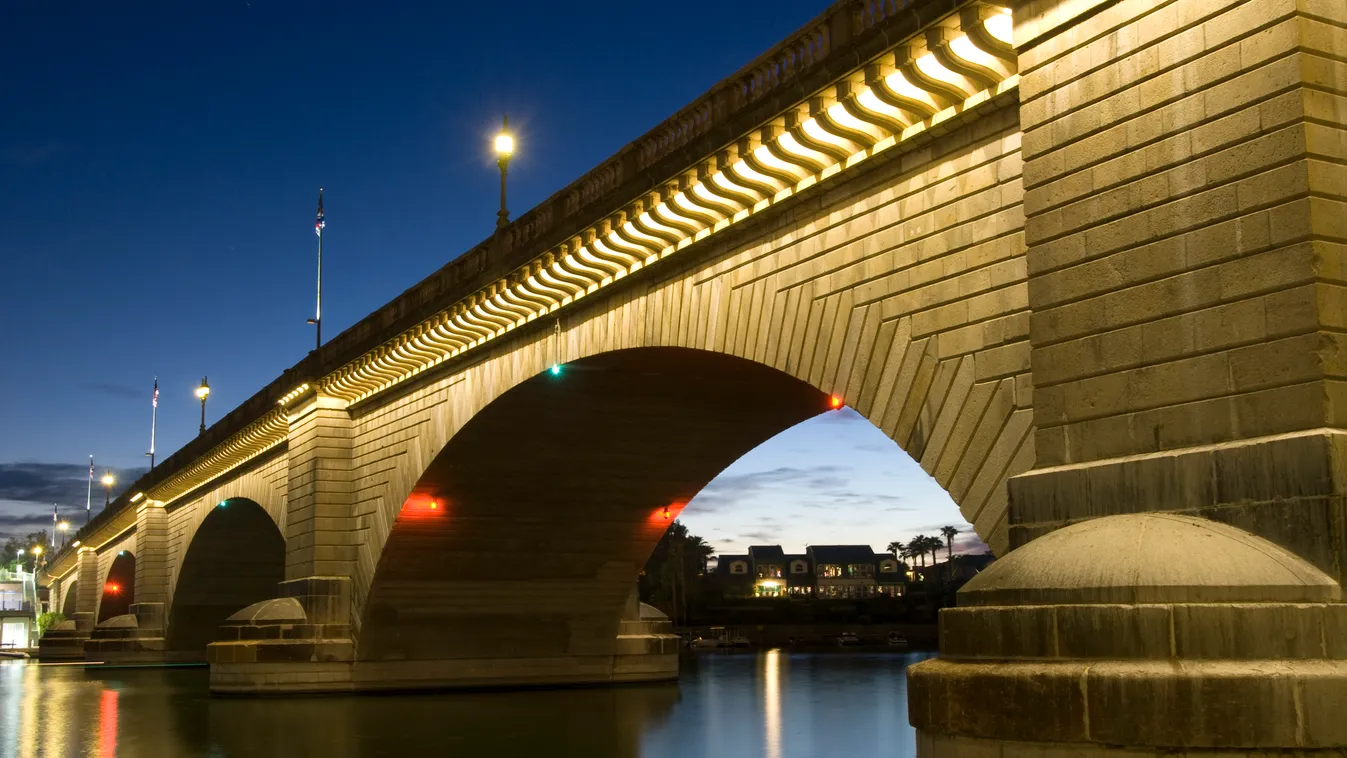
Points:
203	392
108	480
504	144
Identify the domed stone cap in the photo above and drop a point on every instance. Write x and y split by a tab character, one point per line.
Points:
125	621
651	613
280	610
1149	558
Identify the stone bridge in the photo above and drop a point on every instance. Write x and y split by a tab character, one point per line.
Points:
1081	259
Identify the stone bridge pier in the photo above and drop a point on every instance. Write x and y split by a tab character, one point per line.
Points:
1185	179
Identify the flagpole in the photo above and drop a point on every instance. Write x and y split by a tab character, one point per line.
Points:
53	526
318	310
89	495
154	419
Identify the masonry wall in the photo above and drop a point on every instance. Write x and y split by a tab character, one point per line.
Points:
1184	194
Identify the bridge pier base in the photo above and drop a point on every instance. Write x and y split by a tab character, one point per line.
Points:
1158	633
273	648
137	637
64	641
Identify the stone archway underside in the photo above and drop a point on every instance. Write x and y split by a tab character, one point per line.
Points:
526	534
119	587
236	558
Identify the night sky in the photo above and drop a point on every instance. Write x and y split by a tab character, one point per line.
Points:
159	164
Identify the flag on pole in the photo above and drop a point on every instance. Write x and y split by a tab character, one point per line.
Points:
320	223
154	402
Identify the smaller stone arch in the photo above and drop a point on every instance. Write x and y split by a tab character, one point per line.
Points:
119	587
236	558
69	593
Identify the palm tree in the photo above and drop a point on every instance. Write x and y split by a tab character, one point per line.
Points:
917	547
949	533
933	545
894	547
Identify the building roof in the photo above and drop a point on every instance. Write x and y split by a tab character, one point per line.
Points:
723	562
766	552
842	554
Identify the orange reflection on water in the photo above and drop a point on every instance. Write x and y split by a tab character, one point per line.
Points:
107	724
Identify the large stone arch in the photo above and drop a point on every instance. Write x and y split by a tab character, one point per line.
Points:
903	291
236	558
541	510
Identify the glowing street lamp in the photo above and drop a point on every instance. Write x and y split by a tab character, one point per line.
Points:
63	527
203	392
504	145
108	480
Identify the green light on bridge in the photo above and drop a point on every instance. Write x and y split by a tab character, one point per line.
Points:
556	369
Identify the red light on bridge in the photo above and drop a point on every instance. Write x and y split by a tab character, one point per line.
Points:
665	514
112	588
424	506
835	402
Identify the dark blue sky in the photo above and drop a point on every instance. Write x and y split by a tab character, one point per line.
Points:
159	165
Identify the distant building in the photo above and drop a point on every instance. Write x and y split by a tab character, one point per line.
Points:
769	570
823	571
18	608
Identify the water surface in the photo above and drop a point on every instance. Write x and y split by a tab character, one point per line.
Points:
774	704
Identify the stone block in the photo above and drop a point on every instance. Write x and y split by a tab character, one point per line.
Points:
1113	631
994	632
1244	631
1015	701
1186	705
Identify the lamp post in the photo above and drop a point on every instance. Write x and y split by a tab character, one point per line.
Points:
504	149
63	527
37	555
108	480
203	392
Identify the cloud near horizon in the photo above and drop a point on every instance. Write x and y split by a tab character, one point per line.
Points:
28	490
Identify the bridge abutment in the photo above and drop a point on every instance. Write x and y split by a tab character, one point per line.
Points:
1182	166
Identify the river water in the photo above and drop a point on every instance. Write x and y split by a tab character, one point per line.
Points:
774	704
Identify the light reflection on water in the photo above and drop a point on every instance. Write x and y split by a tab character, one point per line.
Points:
774	704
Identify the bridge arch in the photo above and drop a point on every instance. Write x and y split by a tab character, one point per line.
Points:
527	529
118	590
69	593
236	557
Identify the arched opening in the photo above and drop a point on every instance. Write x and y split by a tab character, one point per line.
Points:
236	558
119	588
68	602
525	535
